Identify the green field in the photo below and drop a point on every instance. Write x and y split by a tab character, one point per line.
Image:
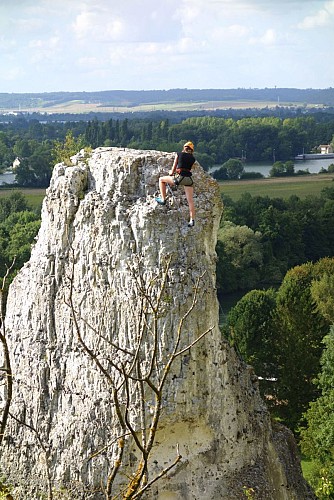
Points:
34	196
283	187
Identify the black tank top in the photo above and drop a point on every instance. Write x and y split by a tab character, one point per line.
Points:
184	163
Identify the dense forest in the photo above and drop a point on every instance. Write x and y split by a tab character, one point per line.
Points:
279	253
217	139
261	238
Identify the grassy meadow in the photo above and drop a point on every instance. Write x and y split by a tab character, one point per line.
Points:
278	187
33	196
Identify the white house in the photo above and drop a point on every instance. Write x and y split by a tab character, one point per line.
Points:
325	149
16	163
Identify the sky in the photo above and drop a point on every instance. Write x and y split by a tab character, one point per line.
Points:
81	45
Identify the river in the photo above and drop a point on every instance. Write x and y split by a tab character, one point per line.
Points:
7	178
313	166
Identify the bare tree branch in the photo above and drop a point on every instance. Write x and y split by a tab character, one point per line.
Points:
7	365
137	377
189	346
159	476
108	445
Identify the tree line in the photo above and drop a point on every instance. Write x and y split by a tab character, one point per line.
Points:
217	140
261	238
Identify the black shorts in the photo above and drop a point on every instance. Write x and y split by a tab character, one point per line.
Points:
182	180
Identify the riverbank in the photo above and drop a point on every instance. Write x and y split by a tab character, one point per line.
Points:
315	156
264	167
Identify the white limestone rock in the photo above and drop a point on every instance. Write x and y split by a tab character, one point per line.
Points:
99	216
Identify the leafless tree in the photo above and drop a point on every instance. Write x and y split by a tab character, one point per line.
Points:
6	369
136	374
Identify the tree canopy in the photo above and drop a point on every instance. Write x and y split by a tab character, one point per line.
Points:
317	437
288	233
19	225
280	333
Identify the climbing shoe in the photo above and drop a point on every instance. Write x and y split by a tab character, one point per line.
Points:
160	201
191	223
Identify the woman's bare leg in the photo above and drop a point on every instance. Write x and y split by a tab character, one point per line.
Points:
189	192
167	179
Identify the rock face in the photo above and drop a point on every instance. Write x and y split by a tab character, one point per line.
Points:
104	251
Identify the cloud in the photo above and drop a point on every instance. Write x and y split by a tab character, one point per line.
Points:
6	44
269	37
51	43
137	21
153	54
91	25
319	19
322	17
145	43
28	25
234	33
12	74
42	50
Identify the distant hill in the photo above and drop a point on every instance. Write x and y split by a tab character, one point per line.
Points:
135	98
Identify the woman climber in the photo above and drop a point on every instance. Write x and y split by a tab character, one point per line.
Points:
180	175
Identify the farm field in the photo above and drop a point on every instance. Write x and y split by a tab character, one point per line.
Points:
33	196
278	187
79	106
